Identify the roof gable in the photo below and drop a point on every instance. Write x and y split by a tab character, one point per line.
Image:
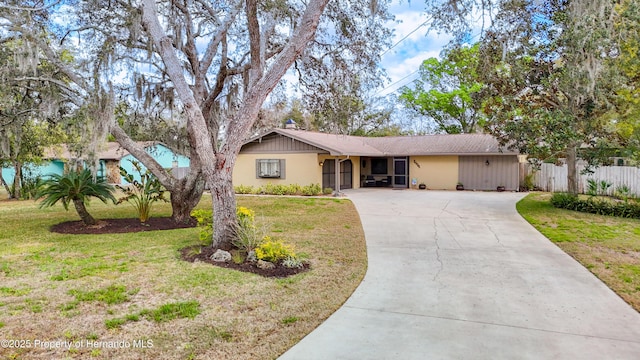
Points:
274	142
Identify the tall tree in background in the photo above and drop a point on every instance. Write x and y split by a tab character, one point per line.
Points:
449	91
547	71
340	67
627	115
32	106
215	66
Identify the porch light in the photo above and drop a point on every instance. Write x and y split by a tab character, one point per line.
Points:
486	162
321	163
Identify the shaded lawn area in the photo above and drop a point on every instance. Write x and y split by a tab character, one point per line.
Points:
134	288
608	246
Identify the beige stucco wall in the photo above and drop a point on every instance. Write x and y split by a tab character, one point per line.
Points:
437	172
301	169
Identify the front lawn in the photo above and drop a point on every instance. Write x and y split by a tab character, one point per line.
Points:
129	296
608	246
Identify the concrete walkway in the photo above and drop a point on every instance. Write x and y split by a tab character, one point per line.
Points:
460	275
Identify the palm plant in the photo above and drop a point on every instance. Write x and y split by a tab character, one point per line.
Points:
76	187
143	193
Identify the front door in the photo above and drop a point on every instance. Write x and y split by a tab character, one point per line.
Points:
329	174
400	172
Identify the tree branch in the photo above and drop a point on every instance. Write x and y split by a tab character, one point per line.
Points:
254	42
303	33
217	38
202	141
149	162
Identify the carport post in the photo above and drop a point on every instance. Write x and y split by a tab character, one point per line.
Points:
337	175
338	162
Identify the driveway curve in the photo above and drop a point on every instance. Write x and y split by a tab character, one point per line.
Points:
460	275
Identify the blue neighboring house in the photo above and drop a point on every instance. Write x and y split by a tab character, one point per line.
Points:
111	155
162	154
47	167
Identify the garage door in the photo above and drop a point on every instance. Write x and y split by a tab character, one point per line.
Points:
488	172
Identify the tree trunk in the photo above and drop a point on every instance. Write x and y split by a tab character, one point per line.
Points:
87	219
224	204
6	186
183	200
218	171
572	169
185	192
17	167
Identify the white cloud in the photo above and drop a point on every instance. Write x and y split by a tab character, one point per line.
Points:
403	60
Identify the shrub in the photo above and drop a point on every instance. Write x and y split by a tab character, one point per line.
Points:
327	191
141	194
294	189
595	187
312	190
592	187
564	200
247	236
595	206
244	189
604	187
528	182
30	186
292	263
275	189
205	223
238	256
623	192
274	251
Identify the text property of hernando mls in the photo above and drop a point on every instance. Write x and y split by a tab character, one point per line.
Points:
80	344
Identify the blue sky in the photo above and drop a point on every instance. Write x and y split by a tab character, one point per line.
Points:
403	61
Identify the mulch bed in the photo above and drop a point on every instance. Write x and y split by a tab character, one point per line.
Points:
203	254
119	226
191	254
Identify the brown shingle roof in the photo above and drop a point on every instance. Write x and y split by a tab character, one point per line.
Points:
459	144
336	144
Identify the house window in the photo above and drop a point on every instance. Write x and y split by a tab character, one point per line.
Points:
270	168
379	166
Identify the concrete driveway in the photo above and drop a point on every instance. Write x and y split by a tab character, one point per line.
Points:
460	275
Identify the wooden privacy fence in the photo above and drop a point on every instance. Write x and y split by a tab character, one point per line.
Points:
553	178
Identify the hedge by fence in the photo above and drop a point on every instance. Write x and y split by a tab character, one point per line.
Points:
595	205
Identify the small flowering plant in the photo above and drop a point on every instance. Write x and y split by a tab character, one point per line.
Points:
274	251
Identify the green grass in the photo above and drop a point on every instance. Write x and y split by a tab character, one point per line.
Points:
289	320
608	246
166	312
114	294
129	286
13	292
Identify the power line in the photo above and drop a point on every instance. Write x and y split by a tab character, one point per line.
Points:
396	82
413	73
396	44
406	36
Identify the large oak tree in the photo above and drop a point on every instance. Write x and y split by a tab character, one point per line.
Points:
212	64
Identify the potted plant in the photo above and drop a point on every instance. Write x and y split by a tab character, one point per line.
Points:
500	188
422	186
459	186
